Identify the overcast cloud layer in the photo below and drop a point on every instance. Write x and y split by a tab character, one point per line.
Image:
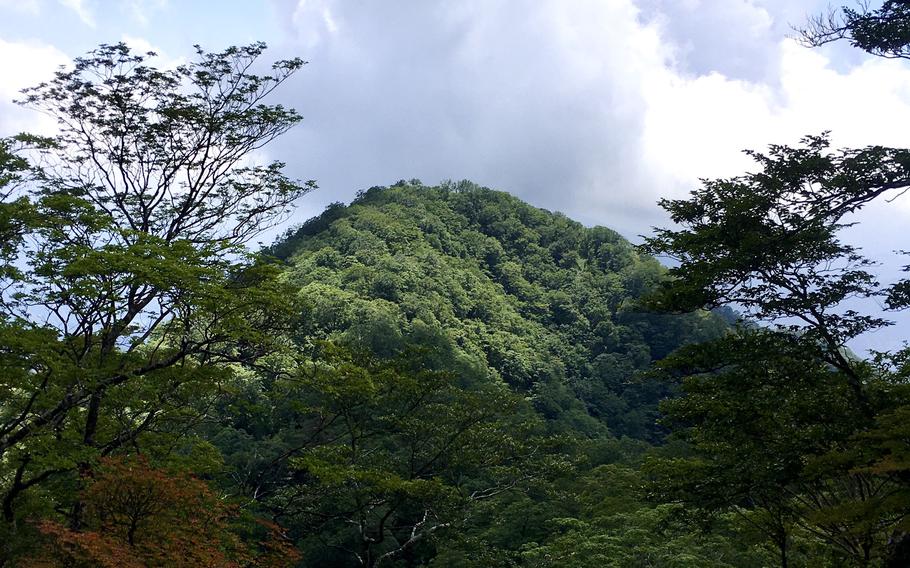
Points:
596	108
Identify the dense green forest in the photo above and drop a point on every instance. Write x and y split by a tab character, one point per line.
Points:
531	311
500	292
430	375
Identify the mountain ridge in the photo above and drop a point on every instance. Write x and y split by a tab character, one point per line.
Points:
500	290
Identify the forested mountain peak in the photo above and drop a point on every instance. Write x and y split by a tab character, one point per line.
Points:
454	207
439	376
500	290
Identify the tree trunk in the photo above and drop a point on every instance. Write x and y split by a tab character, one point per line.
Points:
88	438
782	546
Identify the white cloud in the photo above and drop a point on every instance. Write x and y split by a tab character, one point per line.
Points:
597	108
732	37
543	100
139	44
594	107
695	126
161	60
140	10
25	65
329	21
314	21
81	10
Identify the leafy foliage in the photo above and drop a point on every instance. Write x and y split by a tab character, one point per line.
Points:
500	291
780	418
392	454
429	376
127	296
459	356
882	31
137	515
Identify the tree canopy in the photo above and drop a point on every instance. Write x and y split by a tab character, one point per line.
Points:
431	375
789	428
127	292
881	31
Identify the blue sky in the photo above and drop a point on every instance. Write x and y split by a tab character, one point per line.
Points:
596	108
77	26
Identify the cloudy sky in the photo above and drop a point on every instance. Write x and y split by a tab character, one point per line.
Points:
596	108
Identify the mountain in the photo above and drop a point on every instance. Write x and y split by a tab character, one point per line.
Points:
495	290
463	386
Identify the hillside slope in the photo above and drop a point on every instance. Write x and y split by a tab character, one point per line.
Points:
496	290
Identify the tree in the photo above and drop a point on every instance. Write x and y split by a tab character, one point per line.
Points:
773	431
502	289
448	297
132	285
776	397
614	527
13	210
767	243
883	32
138	515
378	457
